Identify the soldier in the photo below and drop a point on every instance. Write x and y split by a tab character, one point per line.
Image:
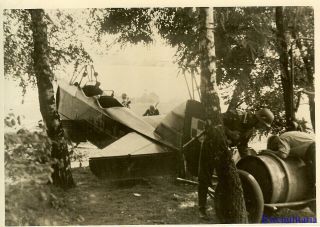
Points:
125	100
151	111
293	143
239	128
298	144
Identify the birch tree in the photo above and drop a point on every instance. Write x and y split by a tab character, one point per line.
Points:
230	205
61	175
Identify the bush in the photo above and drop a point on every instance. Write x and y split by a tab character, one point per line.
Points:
27	172
27	156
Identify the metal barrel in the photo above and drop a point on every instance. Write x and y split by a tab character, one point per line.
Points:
281	180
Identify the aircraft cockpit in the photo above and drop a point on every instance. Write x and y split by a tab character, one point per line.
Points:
87	81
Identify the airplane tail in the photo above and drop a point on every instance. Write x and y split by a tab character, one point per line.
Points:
181	125
194	124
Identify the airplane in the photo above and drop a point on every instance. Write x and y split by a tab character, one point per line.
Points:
130	146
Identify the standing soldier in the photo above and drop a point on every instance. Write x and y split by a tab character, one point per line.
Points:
239	128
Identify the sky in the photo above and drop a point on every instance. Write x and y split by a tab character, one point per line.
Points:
139	69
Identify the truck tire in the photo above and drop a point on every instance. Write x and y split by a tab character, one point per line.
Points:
253	197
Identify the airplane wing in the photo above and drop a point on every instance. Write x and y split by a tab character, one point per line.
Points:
132	156
126	117
154	120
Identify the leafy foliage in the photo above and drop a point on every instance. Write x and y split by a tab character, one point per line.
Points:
244	41
179	27
64	42
18	45
132	25
64	45
27	160
27	172
27	156
13	121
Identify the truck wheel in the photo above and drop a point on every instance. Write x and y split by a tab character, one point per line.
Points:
253	196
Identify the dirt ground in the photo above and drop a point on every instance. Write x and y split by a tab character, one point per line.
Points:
156	200
146	201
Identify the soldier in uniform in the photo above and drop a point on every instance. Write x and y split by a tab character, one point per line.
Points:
151	111
239	128
297	144
125	100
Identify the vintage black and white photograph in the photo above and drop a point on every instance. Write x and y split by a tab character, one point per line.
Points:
159	115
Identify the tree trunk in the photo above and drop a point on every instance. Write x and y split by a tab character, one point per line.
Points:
286	79
232	209
61	175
